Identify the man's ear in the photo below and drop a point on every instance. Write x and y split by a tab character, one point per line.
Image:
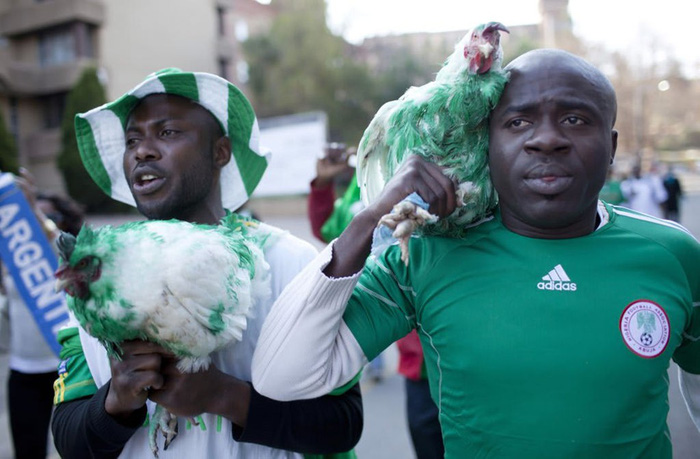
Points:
614	145
222	151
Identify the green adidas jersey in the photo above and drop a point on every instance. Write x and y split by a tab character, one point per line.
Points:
544	348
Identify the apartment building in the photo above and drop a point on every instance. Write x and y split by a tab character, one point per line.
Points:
46	44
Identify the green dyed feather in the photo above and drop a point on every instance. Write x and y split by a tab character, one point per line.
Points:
186	287
445	122
452	131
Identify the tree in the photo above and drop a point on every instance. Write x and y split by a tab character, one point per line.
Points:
87	93
299	65
8	149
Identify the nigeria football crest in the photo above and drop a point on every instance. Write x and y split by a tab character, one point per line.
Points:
645	328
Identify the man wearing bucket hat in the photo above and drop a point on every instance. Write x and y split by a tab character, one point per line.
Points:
185	145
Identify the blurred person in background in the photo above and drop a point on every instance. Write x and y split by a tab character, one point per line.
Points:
644	193
329	217
32	362
612	191
675	193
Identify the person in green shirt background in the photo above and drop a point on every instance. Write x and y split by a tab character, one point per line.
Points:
611	191
328	216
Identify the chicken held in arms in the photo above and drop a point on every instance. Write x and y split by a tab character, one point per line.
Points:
184	286
446	122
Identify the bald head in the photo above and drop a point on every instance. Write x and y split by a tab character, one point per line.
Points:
547	60
551	139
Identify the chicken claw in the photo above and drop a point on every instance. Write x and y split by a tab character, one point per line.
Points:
404	218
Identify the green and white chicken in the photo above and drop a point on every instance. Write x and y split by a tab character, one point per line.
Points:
186	287
445	122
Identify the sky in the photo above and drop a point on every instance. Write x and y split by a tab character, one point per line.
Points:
618	25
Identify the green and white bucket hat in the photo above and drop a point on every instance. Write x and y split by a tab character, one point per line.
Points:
101	140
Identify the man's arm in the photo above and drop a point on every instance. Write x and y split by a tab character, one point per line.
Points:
324	425
297	423
80	425
322	196
320	206
305	349
690	389
416	175
687	356
85	428
314	303
82	428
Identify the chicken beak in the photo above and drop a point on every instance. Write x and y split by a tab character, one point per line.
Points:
486	49
60	285
61	281
494	26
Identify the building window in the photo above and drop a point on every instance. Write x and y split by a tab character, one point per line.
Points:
223	68
14	119
221	20
57	46
83	39
65	43
242	71
53	107
242	32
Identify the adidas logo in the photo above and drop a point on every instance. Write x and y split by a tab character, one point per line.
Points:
557	279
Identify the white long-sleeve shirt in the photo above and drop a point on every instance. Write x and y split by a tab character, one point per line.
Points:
305	349
645	194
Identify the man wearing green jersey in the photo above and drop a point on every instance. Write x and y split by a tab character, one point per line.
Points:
548	329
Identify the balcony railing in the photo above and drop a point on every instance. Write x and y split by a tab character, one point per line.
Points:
25	78
37	16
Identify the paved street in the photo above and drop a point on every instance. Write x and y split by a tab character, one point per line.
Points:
385	433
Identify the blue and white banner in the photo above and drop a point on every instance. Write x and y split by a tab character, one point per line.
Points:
31	262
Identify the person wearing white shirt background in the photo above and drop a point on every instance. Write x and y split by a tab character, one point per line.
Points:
644	193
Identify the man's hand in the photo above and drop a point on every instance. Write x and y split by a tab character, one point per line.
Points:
416	175
424	178
207	391
138	371
326	171
333	163
185	394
